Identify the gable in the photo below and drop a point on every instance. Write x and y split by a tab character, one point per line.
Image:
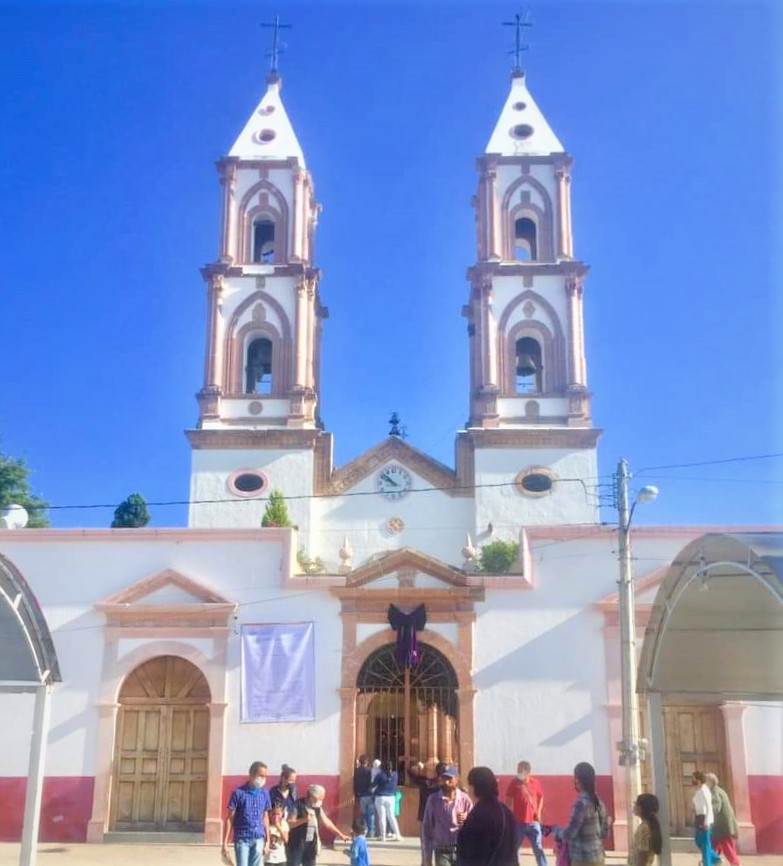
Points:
163	588
394	449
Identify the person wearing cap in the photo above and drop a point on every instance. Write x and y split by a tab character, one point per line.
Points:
444	813
304	839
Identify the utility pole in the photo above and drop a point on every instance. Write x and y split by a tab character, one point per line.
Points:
630	749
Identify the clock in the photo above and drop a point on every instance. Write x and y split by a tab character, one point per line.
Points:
393	482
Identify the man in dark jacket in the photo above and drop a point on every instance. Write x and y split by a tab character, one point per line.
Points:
362	792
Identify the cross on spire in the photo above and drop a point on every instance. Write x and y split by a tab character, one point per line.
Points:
278	47
518	24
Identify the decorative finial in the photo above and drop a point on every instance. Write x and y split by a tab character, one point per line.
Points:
519	46
278	47
395	429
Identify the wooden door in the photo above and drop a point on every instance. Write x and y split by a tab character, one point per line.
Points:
161	758
694	741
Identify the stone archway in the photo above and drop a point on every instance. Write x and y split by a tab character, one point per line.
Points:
161	758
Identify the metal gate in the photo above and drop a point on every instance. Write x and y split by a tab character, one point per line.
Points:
406	715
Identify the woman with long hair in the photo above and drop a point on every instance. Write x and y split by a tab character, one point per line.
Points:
488	835
589	823
647	840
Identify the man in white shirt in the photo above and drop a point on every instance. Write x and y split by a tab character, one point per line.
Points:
703	819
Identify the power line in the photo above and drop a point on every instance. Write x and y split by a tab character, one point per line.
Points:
710	462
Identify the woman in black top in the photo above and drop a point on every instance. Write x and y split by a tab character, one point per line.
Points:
285	793
488	836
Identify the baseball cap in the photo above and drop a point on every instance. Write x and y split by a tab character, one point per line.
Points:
450	771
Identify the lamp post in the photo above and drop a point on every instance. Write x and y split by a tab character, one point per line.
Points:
631	748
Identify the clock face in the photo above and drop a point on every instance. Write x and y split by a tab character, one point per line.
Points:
393	482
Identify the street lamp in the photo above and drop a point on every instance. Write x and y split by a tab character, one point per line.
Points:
632	748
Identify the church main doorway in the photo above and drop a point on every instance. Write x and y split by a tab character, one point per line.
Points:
162	748
406	716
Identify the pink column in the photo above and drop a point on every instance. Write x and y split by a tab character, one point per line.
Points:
300	335
736	757
213	362
495	241
228	180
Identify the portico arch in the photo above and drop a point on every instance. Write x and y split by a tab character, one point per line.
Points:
714	630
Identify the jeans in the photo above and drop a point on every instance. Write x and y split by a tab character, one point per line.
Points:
531	832
248	853
367	807
703	840
384	806
302	855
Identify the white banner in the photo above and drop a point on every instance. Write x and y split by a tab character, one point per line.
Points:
278	678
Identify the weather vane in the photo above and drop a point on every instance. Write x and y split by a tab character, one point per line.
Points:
518	23
278	47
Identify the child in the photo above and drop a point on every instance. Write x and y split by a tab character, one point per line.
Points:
278	835
647	841
359	854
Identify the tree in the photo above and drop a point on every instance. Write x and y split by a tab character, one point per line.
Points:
15	490
498	557
132	513
276	511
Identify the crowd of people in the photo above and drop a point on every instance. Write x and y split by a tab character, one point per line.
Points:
459	827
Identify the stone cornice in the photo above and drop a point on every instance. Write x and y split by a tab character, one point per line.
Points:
250	439
566	437
407	558
494	159
565	268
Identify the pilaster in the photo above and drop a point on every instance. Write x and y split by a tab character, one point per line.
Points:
736	756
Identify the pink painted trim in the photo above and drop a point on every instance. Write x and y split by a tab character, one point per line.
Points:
167	577
265	191
241	493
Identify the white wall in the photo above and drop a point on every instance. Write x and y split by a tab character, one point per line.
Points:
763	724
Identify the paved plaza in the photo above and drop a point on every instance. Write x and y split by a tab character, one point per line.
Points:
405	853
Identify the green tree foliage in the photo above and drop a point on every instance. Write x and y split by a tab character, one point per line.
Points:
15	490
308	565
132	513
498	557
276	511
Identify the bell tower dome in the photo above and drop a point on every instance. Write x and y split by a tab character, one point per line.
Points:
263	310
529	400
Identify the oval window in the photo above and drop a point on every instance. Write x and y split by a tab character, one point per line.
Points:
246	483
522	130
537	482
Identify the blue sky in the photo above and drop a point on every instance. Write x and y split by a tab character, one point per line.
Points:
115	113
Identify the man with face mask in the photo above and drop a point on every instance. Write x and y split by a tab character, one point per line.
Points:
444	814
248	818
525	798
304	839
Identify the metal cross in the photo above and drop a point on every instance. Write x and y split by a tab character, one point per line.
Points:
518	23
277	46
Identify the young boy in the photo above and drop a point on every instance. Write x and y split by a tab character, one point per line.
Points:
359	853
278	835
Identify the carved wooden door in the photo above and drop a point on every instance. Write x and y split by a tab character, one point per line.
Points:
694	741
162	751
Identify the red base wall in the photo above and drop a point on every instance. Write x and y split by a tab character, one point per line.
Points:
66	808
559	796
766	811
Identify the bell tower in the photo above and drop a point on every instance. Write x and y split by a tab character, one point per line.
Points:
529	399
263	311
258	424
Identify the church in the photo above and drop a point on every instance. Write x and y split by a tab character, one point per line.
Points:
186	653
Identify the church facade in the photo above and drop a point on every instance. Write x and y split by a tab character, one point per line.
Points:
149	729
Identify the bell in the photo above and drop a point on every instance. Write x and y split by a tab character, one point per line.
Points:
526	366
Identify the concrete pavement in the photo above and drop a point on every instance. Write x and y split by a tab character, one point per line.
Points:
405	853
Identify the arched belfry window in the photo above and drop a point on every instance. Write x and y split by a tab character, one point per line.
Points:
529	368
263	241
525	240
258	369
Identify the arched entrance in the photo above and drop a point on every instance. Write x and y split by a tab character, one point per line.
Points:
407	715
162	748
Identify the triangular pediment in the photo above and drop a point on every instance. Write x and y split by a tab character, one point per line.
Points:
165	588
408	565
435	473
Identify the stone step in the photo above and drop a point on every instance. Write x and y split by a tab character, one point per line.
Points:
151	837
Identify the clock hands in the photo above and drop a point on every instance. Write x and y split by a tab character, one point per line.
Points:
388	479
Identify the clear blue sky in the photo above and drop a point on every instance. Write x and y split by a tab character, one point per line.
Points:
115	113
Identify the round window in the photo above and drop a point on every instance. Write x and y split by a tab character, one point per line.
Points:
522	130
246	483
519	106
266	135
535	481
